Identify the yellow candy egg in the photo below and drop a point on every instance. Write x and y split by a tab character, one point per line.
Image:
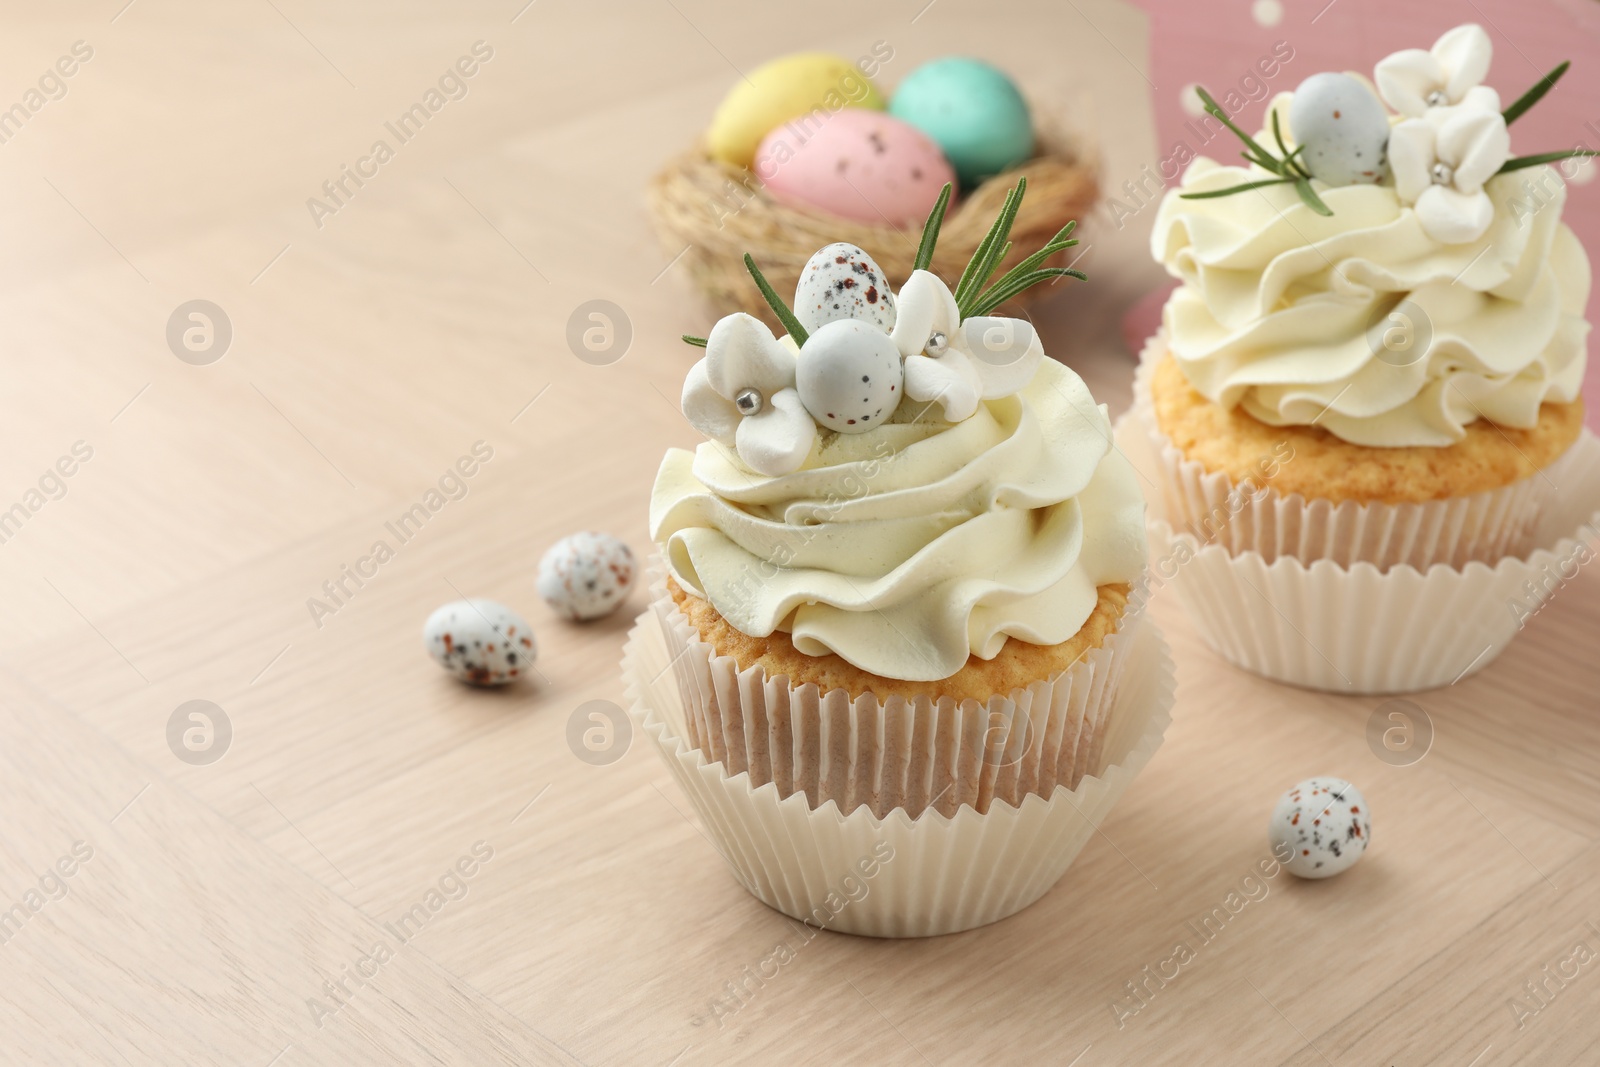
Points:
807	86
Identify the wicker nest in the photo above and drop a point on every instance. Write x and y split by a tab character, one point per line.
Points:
720	212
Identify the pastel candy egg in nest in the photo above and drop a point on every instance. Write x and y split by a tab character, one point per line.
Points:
1343	127
972	110
480	641
804	86
842	282
849	376
859	165
1322	825
586	575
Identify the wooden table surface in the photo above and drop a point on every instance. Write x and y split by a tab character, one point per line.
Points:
254	910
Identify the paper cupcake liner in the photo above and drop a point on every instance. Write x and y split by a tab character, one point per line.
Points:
897	876
1362	629
1214	509
915	754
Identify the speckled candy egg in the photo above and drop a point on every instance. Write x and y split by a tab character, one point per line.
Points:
860	165
795	87
973	112
849	376
480	641
843	282
1344	128
586	575
1323	824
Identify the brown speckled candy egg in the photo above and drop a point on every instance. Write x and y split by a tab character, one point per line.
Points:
480	641
843	282
1322	825
586	575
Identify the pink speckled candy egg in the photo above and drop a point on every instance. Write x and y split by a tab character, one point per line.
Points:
857	164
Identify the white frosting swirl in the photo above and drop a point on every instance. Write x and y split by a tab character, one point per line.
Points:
912	546
1280	305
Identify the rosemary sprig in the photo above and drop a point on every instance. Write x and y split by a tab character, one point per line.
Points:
779	308
1289	168
930	230
987	256
975	295
691	339
999	293
1523	162
1535	94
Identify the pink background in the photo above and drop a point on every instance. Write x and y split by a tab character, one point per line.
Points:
1215	43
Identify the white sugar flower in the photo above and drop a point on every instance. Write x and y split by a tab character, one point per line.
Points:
743	395
1412	81
1442	160
958	363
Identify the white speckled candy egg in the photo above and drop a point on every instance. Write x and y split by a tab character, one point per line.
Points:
849	376
1344	128
480	641
843	282
586	575
1324	823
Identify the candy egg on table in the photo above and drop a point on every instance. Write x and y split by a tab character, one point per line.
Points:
972	111
480	641
861	165
814	85
849	376
1322	825
842	282
586	575
1343	127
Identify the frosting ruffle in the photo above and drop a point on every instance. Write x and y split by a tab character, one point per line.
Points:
1283	311
910	547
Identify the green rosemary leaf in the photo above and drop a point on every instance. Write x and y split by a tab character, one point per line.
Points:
983	247
779	308
1058	243
1270	165
999	294
1309	195
1212	194
1523	162
992	251
1222	116
1535	94
930	230
1289	167
690	339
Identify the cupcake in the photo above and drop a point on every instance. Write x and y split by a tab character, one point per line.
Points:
1374	357
898	594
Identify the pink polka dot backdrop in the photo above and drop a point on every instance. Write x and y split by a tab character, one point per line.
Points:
1231	45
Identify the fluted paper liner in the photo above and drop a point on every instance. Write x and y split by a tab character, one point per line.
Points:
898	876
1361	628
897	753
1214	509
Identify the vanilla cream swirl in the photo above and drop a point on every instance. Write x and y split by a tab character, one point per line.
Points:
1284	313
910	547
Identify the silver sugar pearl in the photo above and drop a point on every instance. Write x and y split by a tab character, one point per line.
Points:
1437	98
937	345
1442	174
748	401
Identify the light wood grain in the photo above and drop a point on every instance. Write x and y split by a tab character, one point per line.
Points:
424	317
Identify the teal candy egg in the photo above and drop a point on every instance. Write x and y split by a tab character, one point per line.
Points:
972	111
